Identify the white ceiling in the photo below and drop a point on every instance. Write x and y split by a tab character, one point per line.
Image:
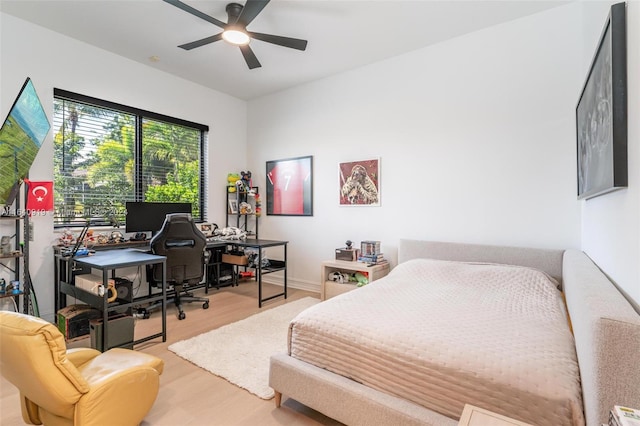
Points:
342	35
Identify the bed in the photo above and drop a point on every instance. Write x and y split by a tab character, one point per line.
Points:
460	323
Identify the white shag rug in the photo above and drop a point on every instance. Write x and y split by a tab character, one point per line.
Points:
239	352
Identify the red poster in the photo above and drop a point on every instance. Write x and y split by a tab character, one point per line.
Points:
289	187
40	195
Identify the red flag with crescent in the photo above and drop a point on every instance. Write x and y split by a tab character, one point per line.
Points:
40	195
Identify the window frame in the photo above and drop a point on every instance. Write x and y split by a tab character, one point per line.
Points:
140	115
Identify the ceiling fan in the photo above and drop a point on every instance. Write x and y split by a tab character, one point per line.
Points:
235	30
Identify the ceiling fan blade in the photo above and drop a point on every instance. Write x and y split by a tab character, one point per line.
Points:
250	10
198	43
196	12
250	57
294	43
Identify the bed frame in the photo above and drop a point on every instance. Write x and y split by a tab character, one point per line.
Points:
605	325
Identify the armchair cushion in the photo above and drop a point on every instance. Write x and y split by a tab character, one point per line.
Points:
80	356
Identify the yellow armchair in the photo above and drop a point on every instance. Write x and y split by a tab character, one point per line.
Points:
77	386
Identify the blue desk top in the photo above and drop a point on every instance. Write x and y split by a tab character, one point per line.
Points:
119	258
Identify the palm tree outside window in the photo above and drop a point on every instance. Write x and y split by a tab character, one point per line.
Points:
106	154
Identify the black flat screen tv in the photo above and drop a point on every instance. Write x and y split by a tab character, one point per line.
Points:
149	216
21	136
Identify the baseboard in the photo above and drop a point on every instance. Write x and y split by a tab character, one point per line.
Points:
293	283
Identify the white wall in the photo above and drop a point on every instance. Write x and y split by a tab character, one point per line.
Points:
611	223
53	60
476	137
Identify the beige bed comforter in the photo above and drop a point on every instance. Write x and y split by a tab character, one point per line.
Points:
443	334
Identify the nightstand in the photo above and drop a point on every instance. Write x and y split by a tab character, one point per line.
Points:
329	289
474	416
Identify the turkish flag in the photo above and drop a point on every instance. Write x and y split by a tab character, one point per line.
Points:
40	196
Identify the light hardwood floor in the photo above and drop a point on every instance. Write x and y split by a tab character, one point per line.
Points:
192	396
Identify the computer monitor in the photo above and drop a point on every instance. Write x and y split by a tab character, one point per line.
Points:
149	216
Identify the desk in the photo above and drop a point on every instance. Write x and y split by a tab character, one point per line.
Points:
109	260
275	266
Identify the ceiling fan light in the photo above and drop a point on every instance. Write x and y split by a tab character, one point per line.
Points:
237	37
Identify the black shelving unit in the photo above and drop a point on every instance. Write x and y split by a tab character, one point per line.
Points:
247	221
17	261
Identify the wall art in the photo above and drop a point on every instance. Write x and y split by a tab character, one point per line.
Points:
601	113
360	183
290	187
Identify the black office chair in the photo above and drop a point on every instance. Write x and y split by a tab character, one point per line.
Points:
184	246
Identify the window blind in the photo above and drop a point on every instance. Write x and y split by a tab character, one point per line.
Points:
106	154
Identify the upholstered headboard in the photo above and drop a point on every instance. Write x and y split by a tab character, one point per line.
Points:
607	334
605	325
549	261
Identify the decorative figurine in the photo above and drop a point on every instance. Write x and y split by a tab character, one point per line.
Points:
246	186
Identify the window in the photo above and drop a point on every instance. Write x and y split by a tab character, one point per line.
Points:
106	154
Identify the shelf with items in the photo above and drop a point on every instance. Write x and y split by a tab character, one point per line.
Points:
10	294
14	256
274	266
14	297
342	270
243	209
11	255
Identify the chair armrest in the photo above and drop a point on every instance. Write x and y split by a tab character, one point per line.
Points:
80	356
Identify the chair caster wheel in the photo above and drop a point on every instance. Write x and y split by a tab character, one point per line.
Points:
182	316
205	305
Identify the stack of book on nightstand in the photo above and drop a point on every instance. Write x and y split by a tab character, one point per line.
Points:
370	253
624	416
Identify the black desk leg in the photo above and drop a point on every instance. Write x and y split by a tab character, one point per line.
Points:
164	300
105	310
56	295
259	272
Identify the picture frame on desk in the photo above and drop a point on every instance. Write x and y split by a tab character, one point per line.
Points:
206	229
233	206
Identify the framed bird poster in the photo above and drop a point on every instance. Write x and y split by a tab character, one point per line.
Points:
289	187
360	183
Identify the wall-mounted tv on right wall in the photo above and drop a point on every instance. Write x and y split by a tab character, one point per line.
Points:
601	114
21	136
